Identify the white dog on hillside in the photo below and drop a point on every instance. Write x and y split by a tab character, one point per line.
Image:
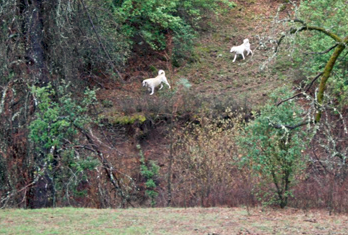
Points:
240	49
152	83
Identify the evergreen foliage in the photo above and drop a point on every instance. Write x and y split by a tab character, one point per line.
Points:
274	154
149	170
54	134
151	22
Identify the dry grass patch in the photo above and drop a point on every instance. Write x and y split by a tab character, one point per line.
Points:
171	221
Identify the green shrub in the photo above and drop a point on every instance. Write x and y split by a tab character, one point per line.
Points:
274	153
54	134
149	170
151	21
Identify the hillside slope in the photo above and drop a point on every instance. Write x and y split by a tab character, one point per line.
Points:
132	117
211	71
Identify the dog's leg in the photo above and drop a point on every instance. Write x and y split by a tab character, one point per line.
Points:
235	56
166	82
161	87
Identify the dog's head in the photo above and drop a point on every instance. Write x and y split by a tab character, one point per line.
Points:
144	83
245	41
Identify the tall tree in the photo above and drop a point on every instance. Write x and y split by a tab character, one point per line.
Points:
317	32
33	11
43	42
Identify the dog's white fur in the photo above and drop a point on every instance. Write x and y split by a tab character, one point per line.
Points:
240	49
152	83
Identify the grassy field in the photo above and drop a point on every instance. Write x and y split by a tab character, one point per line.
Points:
171	221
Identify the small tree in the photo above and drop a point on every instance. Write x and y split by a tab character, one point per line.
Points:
149	170
273	149
61	163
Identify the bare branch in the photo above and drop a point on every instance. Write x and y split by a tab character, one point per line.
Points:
323	52
280	126
302	93
306	27
106	165
292	97
312	82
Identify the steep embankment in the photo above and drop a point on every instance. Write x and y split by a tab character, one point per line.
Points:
131	116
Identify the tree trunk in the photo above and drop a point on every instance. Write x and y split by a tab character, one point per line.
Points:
326	74
35	42
42	192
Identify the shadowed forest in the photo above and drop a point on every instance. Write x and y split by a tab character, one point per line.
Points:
79	129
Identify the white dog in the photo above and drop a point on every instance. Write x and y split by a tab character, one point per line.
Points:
152	83
240	49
